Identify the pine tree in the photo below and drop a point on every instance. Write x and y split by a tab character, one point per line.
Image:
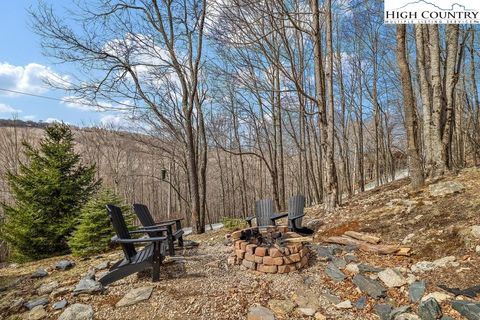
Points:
94	230
49	191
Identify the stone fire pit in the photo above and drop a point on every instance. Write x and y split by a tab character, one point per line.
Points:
268	249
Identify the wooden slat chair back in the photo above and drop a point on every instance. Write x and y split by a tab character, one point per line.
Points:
264	212
121	229
147	221
296	206
150	257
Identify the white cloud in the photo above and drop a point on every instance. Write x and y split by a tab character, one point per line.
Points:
5	108
87	105
30	78
53	120
29	117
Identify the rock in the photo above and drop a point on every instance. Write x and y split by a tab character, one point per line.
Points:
334	273
314	224
439	296
324	254
320	316
477	249
47	288
411	278
88	286
468	309
281	307
339	263
347	304
260	313
429	310
363	268
64	265
392	278
135	296
361	303
444	262
422	266
416	291
307	311
352	268
441	189
59	292
398	311
37	313
59	304
306	299
16	305
407	316
383	311
350	257
408	238
333	299
475	231
40	301
372	287
39	273
77	311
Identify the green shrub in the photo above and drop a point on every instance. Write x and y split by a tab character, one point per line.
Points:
232	224
94	230
49	191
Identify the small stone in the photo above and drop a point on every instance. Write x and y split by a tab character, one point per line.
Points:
429	310
59	304
260	313
369	286
339	263
77	311
135	296
37	313
444	262
361	303
347	304
416	291
47	288
102	266
59	292
477	249
333	299
407	316
307	311
366	268
383	311
439	296
408	238
40	301
334	273
88	286
350	257
39	273
314	224
324	254
391	278
422	266
411	278
281	307
398	311
475	231
352	268
320	316
469	309
64	265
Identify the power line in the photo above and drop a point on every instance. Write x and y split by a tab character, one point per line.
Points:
66	101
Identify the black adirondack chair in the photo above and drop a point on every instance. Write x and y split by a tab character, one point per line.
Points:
296	205
148	223
150	256
265	214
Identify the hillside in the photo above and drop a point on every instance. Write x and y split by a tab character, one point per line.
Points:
435	222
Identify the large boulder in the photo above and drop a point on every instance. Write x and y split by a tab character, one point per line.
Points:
441	189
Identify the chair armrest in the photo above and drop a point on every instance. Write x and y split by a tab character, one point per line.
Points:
141	230
141	240
296	217
279	216
170	220
249	218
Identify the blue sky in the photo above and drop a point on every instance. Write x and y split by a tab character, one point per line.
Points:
22	68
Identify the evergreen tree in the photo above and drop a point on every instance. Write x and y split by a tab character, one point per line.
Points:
94	230
49	191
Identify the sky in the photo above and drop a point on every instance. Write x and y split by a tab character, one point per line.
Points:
23	68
